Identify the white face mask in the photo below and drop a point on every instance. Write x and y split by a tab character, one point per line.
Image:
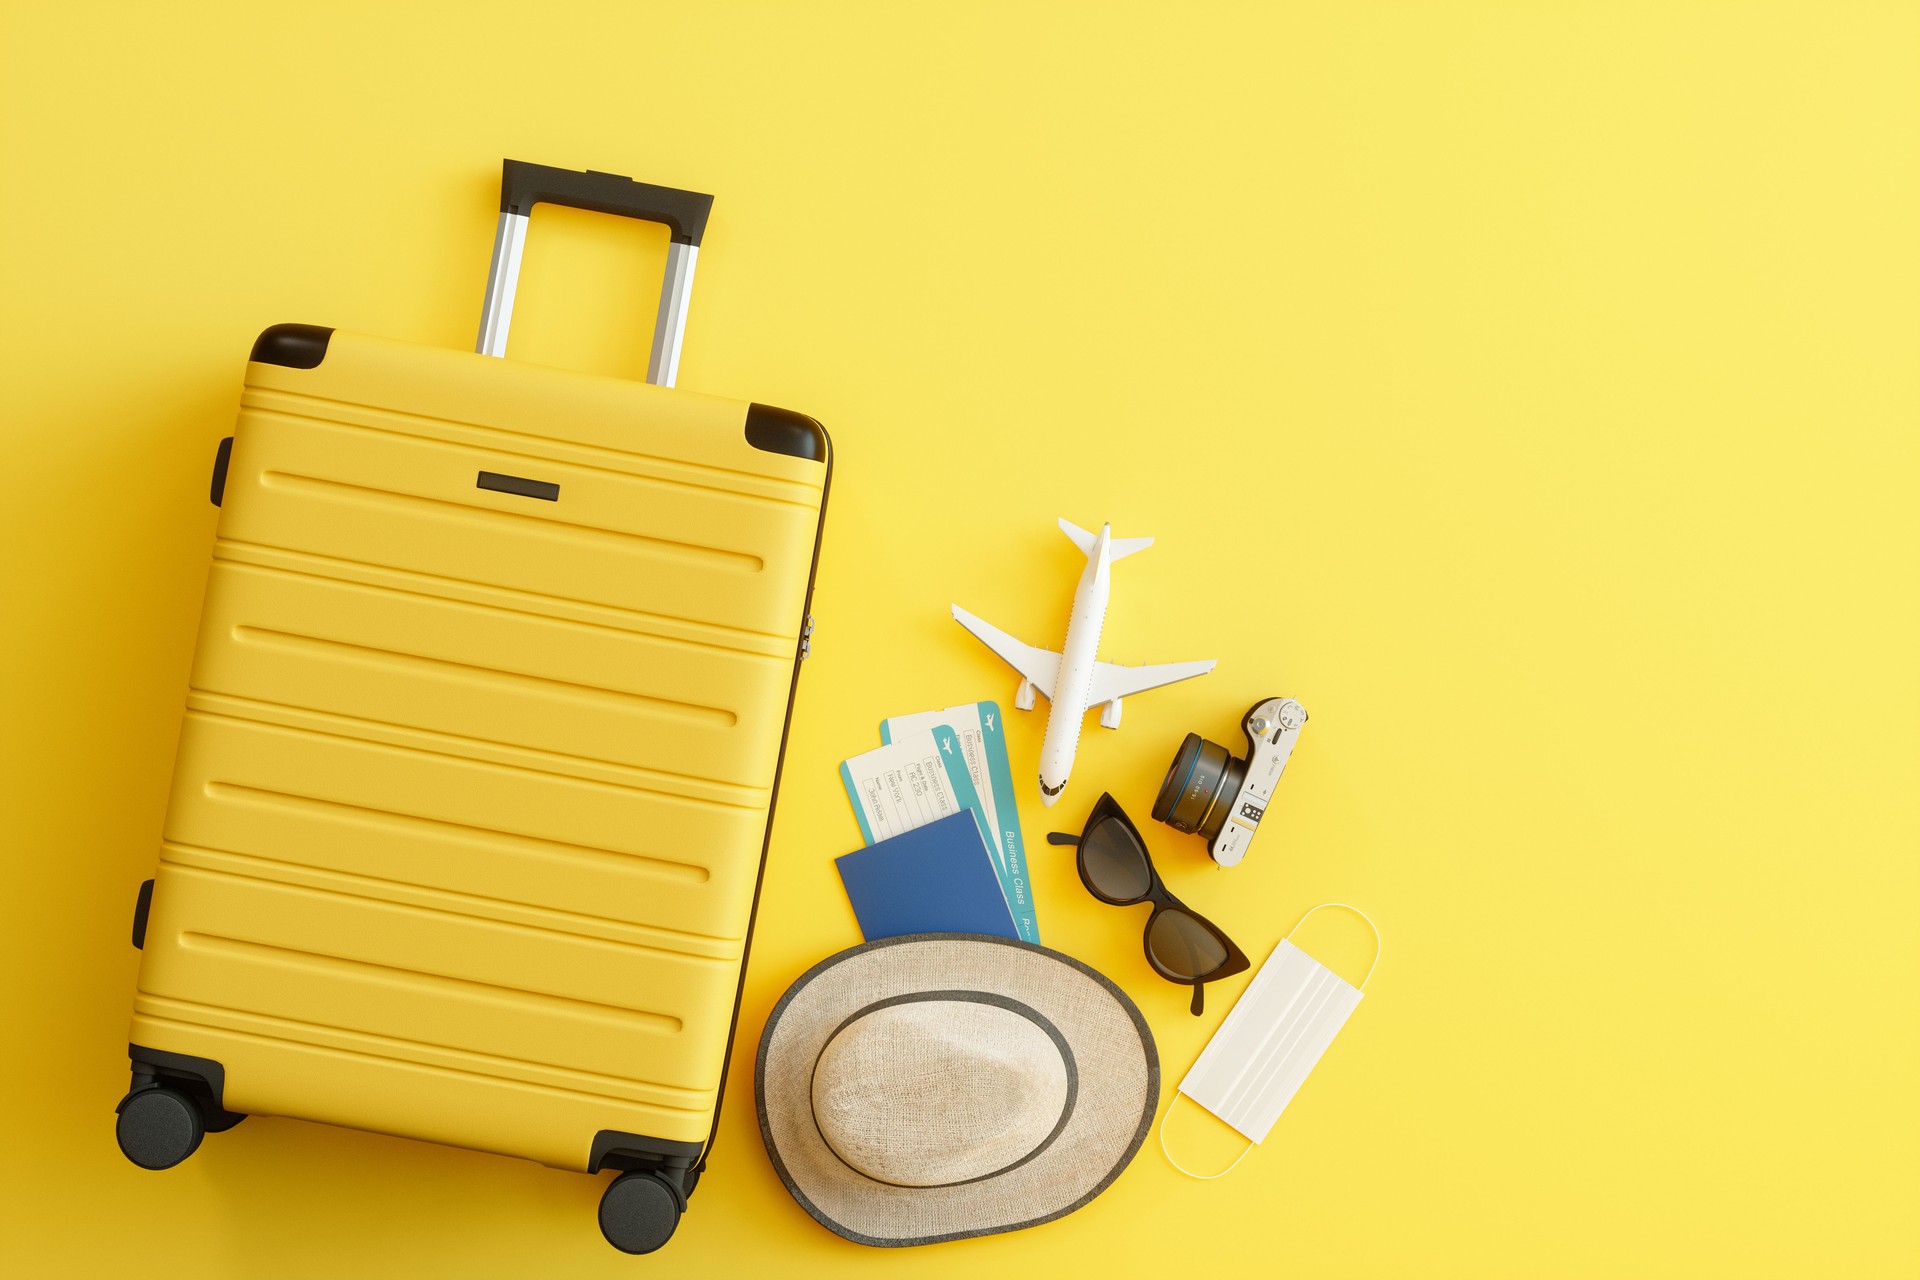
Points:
1271	1039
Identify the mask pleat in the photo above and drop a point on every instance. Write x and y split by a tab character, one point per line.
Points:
1276	1052
1276	1033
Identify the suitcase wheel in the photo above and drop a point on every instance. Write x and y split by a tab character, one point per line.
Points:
638	1212
158	1127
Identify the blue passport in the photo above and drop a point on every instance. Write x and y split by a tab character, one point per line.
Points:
933	879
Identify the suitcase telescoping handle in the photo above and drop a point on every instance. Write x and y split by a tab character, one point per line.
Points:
684	214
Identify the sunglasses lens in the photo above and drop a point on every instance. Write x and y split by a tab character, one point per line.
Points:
1183	946
1115	863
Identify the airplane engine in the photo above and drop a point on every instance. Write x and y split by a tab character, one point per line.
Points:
1023	696
1110	714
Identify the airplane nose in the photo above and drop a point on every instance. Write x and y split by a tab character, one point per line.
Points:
1049	794
1047	800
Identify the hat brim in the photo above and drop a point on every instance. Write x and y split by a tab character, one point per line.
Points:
1113	1057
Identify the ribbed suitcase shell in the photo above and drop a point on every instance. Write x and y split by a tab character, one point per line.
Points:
473	788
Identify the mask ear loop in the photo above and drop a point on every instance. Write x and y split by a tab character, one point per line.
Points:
1345	906
1203	1177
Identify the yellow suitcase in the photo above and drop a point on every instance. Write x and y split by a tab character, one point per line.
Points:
480	753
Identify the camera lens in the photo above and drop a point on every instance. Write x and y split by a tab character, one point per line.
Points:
1199	788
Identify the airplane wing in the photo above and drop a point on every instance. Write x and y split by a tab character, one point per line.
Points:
1038	665
1110	680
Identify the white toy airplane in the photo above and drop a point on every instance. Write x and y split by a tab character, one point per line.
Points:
1072	680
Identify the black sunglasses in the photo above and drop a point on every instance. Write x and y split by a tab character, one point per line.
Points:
1181	946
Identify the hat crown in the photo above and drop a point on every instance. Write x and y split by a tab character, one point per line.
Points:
931	1092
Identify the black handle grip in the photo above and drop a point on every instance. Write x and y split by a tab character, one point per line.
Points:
523	185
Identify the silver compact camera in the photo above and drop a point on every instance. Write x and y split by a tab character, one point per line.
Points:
1210	792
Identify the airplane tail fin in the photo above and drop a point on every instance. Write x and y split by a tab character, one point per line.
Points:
1117	549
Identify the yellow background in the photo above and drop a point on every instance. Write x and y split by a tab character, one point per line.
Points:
1530	389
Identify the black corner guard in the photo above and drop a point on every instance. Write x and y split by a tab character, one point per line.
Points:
626	1152
141	906
784	431
294	346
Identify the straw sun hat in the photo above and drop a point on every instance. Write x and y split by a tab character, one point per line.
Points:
945	1085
